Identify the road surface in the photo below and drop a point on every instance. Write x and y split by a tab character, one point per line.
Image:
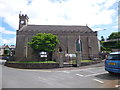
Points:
1	62
93	76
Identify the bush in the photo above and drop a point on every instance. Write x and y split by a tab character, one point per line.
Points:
112	44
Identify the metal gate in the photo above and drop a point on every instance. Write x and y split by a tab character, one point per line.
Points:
69	60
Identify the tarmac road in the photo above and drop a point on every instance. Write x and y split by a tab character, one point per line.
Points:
0	76
1	63
92	76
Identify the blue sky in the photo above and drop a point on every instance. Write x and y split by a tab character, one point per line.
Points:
99	15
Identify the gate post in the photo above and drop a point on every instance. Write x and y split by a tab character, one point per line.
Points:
78	58
61	58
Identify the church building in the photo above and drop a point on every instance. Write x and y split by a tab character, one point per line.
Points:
70	36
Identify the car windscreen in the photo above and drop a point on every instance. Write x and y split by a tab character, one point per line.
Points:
113	57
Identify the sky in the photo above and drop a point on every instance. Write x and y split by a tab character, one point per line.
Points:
99	15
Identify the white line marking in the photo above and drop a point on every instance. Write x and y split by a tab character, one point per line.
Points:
82	69
117	86
86	69
98	81
94	74
66	72
38	70
77	70
79	75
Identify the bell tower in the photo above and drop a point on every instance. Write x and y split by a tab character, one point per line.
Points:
23	20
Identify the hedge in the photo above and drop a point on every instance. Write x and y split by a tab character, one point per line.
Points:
112	44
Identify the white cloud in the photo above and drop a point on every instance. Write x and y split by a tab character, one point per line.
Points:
70	12
99	29
0	38
116	27
10	41
3	31
3	40
109	3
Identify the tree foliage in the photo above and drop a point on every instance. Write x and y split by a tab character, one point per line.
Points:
102	38
112	43
44	42
6	52
115	35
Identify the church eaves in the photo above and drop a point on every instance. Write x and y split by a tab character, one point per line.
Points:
55	28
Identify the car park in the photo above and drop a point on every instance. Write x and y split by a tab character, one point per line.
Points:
112	62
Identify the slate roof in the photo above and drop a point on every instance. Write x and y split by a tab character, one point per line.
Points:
6	46
12	46
1	46
54	28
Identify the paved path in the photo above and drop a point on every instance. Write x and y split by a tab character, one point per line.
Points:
93	76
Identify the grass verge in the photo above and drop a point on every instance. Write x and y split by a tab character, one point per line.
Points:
86	61
82	61
32	62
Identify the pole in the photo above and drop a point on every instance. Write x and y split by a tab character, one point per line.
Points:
79	41
26	50
26	47
1	31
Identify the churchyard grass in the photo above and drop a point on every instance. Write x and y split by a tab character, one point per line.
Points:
32	62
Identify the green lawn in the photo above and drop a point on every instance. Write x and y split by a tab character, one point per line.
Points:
82	61
32	62
86	60
73	61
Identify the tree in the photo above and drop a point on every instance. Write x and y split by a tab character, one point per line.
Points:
112	43
44	42
102	38
6	52
115	35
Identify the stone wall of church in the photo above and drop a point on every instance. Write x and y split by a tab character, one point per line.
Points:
67	43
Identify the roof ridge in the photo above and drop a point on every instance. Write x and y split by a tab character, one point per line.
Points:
53	28
56	25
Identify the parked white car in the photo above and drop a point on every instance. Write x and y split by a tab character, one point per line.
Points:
2	61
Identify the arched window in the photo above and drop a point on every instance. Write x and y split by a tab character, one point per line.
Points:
78	45
60	49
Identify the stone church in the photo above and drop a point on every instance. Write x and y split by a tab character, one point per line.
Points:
69	36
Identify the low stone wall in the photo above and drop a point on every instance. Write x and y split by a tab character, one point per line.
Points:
32	65
90	63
